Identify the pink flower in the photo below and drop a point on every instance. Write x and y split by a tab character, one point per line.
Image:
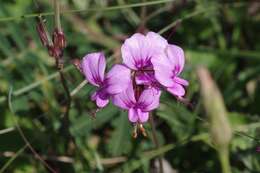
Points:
167	68
138	108
138	50
150	64
115	81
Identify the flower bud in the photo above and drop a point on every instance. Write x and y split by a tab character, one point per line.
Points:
42	33
59	39
214	105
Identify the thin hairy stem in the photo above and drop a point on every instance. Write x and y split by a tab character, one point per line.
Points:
59	64
156	142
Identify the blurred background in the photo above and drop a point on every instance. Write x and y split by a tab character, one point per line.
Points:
222	36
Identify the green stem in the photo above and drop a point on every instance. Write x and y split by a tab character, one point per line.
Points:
224	160
57	15
156	142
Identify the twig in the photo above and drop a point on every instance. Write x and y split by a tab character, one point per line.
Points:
78	88
156	142
10	129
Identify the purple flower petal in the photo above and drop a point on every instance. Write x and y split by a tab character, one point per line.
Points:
132	115
94	96
177	90
181	81
157	42
149	100
176	56
101	98
93	66
144	78
132	50
117	79
142	116
163	70
138	50
125	99
101	102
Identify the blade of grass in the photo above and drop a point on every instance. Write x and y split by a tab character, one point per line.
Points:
4	19
20	151
10	129
34	85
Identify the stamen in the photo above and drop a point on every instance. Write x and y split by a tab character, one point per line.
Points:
135	131
142	129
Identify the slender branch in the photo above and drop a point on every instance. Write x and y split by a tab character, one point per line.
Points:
156	142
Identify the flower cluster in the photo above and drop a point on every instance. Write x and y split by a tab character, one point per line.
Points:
149	65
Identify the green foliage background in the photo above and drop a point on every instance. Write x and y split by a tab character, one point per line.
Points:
221	35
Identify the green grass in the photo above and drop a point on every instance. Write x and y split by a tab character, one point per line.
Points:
223	37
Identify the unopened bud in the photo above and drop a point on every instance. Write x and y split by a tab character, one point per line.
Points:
214	105
42	33
59	39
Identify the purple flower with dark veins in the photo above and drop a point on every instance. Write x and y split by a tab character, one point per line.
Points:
167	68
137	52
138	108
149	65
115	81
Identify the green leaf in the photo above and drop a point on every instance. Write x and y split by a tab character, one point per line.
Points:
120	141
